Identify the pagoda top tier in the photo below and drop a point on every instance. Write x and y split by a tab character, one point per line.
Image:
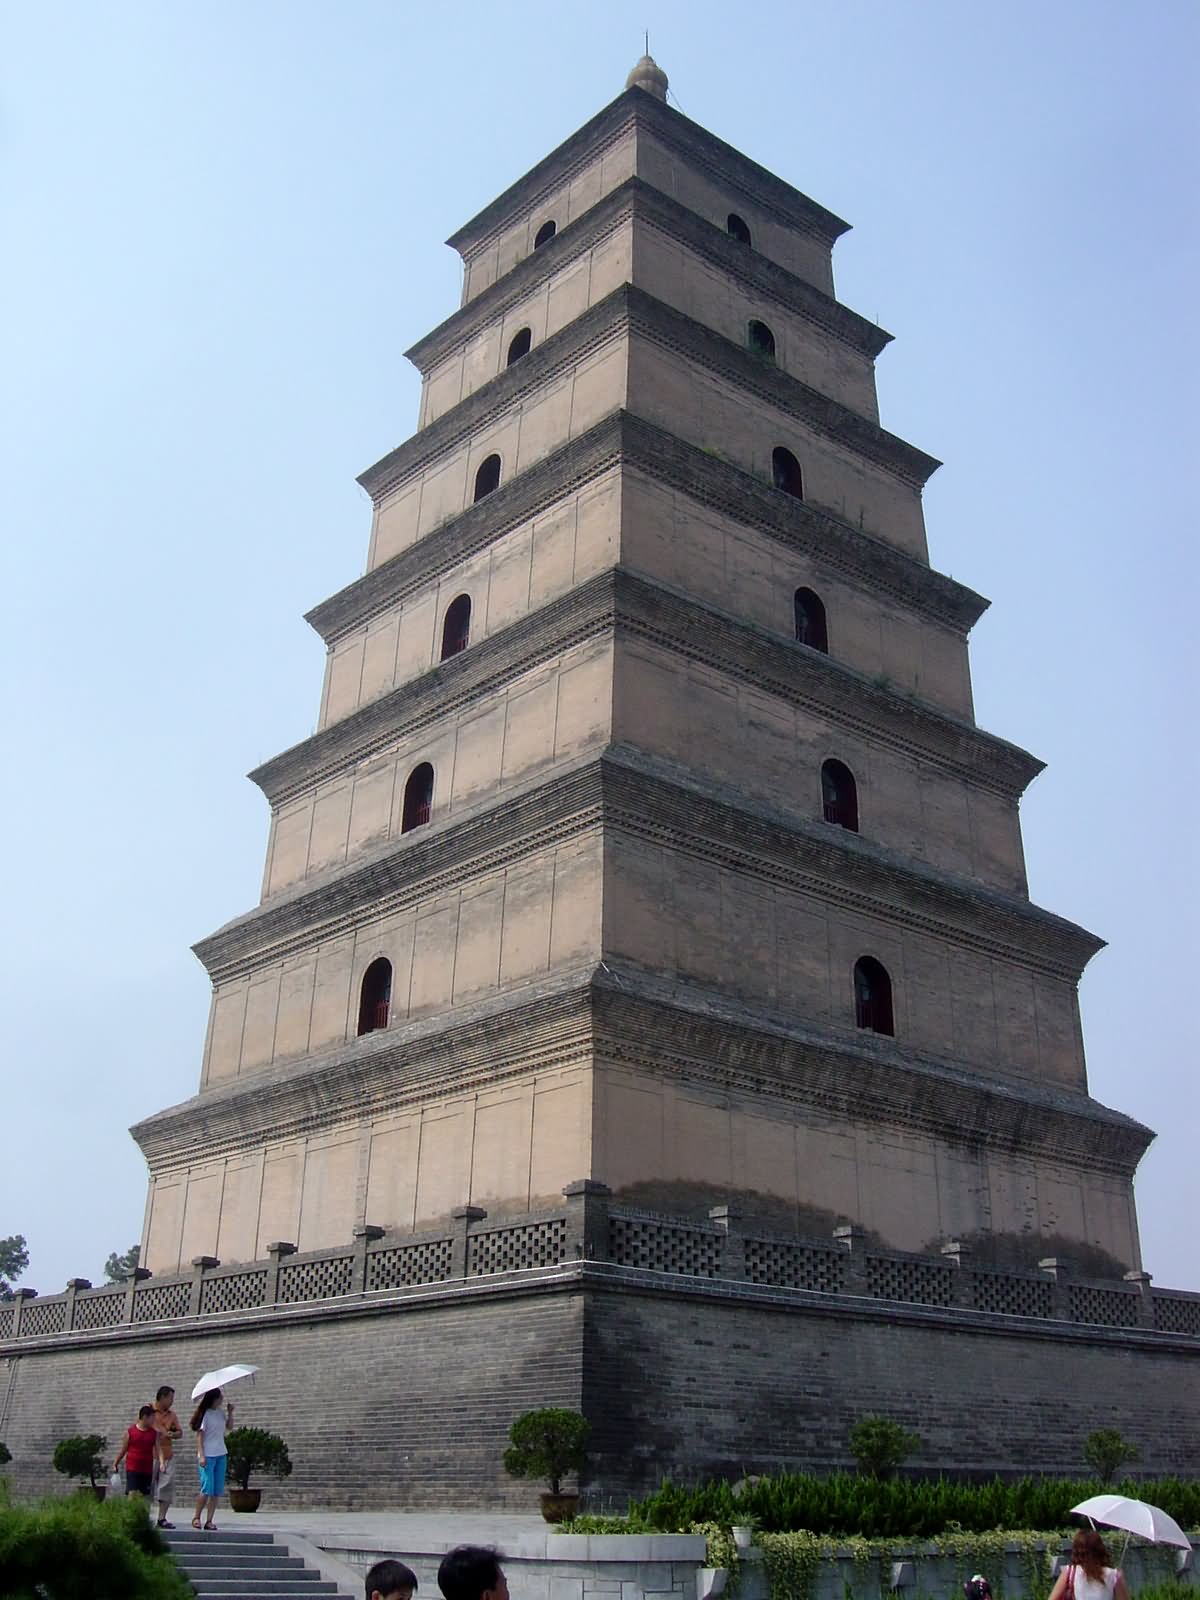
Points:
639	134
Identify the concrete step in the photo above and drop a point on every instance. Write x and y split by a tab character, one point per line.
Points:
305	1583
238	1564
248	1559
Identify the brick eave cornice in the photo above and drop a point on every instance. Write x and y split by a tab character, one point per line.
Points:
628	309
640	200
627	601
625	438
674	1027
669	807
620	1015
634	106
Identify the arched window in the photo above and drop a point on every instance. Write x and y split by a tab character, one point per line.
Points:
761	340
873	996
519	346
737	229
544	234
786	473
418	798
810	621
839	795
488	477
456	629
376	996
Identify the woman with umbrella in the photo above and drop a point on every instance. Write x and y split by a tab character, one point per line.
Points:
209	1422
1089	1576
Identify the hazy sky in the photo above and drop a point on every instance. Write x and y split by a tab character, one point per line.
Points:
222	225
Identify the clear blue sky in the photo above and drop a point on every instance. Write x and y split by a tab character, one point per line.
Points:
222	225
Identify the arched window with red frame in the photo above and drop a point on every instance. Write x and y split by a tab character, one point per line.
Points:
375	997
418	798
873	996
456	629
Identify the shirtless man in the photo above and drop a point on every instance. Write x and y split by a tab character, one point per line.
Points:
166	1425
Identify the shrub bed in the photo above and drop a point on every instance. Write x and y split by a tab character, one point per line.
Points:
78	1547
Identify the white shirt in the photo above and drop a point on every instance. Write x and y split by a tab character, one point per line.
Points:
1085	1588
212	1434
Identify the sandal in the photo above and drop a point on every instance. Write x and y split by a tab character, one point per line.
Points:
210	1527
196	1524
163	1523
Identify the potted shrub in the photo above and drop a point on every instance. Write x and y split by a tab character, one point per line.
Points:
83	1457
880	1445
253	1450
743	1529
549	1443
5	1454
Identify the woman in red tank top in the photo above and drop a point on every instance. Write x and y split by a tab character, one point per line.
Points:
138	1453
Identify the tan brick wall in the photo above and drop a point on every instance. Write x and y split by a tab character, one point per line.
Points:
771	945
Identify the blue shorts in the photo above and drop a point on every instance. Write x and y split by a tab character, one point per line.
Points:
212	1476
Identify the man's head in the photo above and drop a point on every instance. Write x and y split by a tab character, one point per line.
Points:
390	1580
472	1572
165	1398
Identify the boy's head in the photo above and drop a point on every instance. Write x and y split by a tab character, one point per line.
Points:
390	1580
472	1572
144	1415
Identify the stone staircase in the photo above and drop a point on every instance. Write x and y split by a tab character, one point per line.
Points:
235	1565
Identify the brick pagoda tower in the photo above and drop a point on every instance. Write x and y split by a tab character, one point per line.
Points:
647	835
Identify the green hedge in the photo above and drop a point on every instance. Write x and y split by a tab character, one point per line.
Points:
846	1503
80	1548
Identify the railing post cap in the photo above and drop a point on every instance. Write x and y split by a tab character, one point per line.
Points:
849	1233
955	1249
724	1213
25	1294
369	1230
205	1262
138	1275
1059	1265
468	1213
1137	1277
586	1186
281	1247
79	1283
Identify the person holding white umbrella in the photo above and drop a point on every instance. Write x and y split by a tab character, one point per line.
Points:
1089	1575
209	1422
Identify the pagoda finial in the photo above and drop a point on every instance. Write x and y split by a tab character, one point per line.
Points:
648	75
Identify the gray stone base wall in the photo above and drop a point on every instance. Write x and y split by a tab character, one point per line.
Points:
405	1402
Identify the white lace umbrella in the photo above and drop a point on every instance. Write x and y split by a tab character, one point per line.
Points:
220	1377
1133	1516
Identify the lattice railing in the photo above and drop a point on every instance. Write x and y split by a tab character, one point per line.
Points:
7	1317
404	1265
789	1264
639	1240
921	1283
43	1317
1176	1313
1105	1308
99	1308
524	1244
234	1291
156	1301
316	1280
1009	1294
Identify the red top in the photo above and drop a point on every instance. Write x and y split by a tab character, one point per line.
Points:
139	1455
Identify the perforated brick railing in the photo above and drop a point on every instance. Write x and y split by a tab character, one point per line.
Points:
639	1240
792	1265
404	1265
316	1280
509	1249
726	1247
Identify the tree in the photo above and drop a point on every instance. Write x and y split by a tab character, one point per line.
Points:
548	1444
14	1258
119	1267
1106	1451
256	1450
879	1445
80	1457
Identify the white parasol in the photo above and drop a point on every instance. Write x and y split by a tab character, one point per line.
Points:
1132	1516
220	1377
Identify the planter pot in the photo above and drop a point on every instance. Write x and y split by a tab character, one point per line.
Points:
98	1490
743	1537
244	1499
559	1507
